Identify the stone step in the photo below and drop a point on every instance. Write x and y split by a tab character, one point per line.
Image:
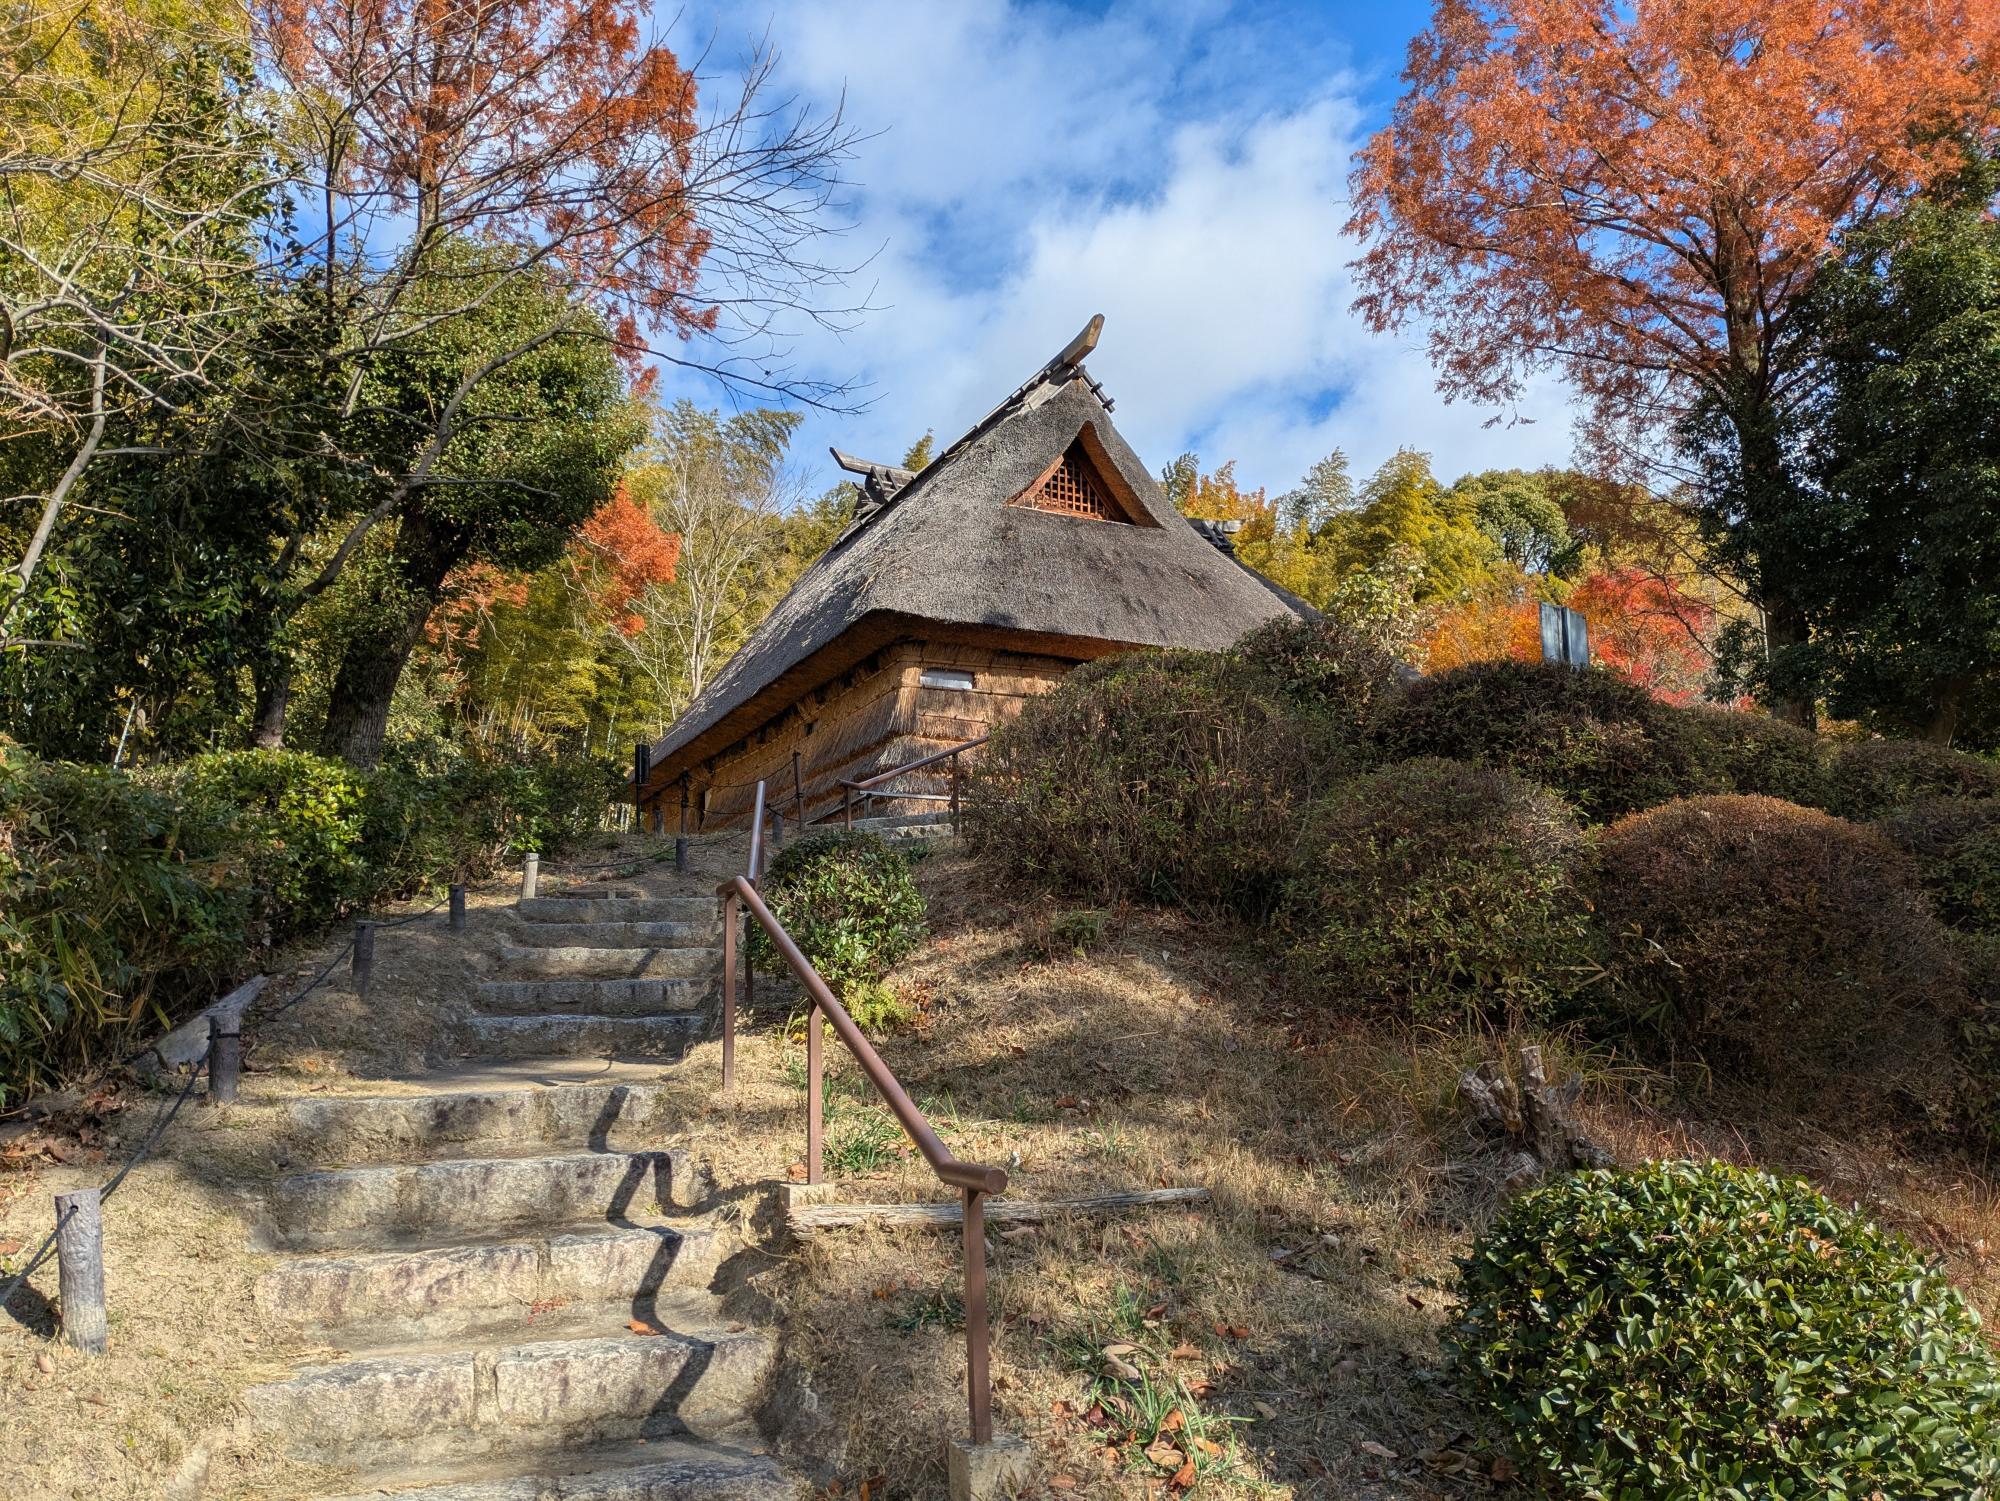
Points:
673	1470
426	1406
353	1129
584	1035
589	891
588	907
388	1297
895	822
372	1207
513	961
594	997
622	935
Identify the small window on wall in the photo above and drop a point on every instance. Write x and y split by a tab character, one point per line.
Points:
947	677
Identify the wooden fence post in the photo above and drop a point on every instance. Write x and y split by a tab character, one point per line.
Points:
80	1270
531	875
225	1060
458	908
364	957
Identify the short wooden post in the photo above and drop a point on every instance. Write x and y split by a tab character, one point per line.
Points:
364	957
729	993
681	839
978	1385
815	1093
659	819
458	908
225	1060
777	827
80	1270
847	806
531	875
798	793
954	794
642	772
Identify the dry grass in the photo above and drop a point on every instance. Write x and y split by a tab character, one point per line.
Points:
1294	1323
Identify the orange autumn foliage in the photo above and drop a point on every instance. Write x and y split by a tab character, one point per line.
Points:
625	553
1492	629
1645	628
553	124
1637	195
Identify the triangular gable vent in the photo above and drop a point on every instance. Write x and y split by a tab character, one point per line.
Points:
1076	485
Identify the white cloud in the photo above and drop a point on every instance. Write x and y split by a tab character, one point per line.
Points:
1032	167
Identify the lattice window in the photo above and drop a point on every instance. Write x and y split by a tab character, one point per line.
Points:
1071	489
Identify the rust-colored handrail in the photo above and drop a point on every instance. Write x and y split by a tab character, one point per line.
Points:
974	1180
867	785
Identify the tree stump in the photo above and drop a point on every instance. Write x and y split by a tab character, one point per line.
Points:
1533	1118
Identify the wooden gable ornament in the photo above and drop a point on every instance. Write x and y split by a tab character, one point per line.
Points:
1083	482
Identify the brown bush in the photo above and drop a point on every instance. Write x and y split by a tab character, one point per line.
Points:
1955	845
1329	669
1738	751
1169	777
1779	945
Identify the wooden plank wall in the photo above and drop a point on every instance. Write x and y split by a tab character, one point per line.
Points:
876	718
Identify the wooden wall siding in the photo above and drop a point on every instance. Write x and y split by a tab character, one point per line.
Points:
869	722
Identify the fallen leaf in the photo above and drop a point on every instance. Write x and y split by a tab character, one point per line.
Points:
1503	1468
1121	1368
1185	1352
1167	1456
1232	1331
1119	1347
1184	1476
796	1172
640	1326
1208	1447
9	1247
1380	1451
1265	1410
1174	1422
1062	1482
1414	1300
45	1363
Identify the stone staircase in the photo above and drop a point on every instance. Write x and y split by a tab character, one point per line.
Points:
510	1262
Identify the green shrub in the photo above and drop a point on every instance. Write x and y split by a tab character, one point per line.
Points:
1733	751
1870	778
1438	886
106	928
1955	844
1170	777
1778	944
849	902
1603	743
1329	669
460	819
285	826
1691	1331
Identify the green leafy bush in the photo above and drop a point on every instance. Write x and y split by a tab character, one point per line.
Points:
1439	887
1690	1331
1329	669
284	825
1870	778
1602	742
849	902
459	819
1733	751
1778	944
1170	777
106	927
1955	844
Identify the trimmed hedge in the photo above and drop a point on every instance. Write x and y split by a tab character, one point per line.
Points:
1170	777
1871	778
1687	1331
125	899
849	902
1955	845
1439	887
1778	944
1603	743
1328	669
1735	751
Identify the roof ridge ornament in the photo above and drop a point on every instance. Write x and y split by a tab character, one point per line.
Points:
1069	362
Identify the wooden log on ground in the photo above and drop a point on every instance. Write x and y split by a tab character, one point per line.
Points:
80	1269
812	1219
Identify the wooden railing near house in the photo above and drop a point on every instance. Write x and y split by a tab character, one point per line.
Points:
870	788
975	1182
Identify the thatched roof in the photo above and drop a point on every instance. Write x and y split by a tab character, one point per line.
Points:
945	547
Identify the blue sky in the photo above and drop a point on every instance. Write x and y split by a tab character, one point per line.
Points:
1179	167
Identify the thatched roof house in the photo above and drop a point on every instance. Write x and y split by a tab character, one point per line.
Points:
1036	541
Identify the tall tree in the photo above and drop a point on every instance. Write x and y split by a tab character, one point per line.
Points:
1638	196
535	450
569	142
1902	543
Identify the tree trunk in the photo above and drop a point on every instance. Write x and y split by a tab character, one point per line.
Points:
273	681
1944	712
357	712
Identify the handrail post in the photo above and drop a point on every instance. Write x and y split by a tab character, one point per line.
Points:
978	1384
798	793
815	1092
847	805
954	794
729	993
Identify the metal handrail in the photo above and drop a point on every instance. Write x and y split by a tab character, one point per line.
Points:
867	785
974	1180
